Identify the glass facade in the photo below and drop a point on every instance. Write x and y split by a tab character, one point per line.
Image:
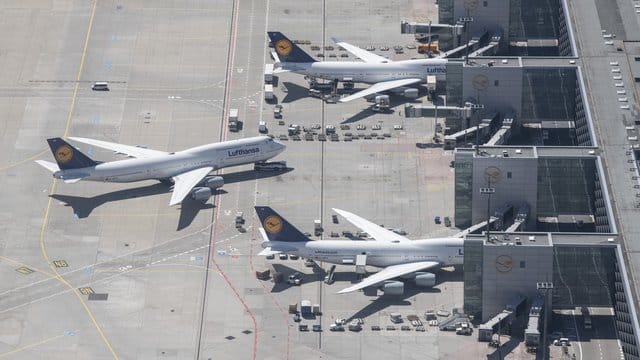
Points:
454	84
548	94
565	186
473	254
583	276
463	189
534	19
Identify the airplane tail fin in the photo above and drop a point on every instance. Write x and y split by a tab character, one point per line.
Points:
287	50
67	156
277	228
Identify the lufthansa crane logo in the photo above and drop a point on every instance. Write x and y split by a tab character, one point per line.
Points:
284	47
273	224
64	153
504	263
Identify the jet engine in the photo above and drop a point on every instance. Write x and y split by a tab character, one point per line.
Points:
214	182
410	93
393	288
201	193
425	279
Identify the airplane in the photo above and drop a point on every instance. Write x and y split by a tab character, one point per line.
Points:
383	73
397	255
188	170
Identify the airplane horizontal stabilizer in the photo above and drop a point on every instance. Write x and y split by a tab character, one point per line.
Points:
48	165
72	180
268	251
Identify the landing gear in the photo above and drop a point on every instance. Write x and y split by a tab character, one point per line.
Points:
166	181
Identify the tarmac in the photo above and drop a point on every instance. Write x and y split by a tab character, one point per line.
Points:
110	271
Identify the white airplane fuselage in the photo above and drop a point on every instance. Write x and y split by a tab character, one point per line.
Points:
218	155
369	73
446	251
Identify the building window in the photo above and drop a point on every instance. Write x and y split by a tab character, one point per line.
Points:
522	264
496	82
508	174
485	3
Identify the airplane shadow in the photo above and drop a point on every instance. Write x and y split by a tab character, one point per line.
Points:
189	209
83	206
239	176
294	92
286	271
383	301
395	101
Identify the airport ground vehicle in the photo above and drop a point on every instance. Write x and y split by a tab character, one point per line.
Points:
262	127
277	111
270	166
100	86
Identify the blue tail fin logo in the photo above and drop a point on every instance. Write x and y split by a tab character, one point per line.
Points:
67	156
277	228
288	51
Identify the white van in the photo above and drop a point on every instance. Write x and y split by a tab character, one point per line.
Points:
100	86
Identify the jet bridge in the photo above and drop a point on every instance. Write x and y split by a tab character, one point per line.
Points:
489	49
521	218
476	227
502	135
451	140
502	320
532	332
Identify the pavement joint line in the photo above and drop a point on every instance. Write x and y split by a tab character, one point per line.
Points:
32	345
217	200
116	258
20	162
45	219
93	282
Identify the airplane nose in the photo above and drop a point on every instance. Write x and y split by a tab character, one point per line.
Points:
279	145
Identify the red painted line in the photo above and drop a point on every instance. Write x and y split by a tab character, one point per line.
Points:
218	200
284	312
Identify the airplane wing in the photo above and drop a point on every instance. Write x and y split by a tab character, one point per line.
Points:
365	55
184	182
128	150
374	230
379	87
390	272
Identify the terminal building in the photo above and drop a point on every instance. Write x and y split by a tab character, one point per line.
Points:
515	113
